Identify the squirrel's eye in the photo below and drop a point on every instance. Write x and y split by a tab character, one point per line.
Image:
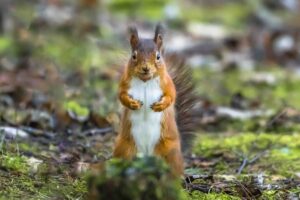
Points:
157	56
134	55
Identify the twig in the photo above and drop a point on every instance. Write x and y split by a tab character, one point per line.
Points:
201	188
2	139
258	156
97	131
38	132
275	118
244	163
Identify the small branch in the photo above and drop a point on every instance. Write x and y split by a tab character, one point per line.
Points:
201	188
97	131
244	163
258	156
38	132
270	123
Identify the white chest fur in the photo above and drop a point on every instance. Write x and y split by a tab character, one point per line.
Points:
145	123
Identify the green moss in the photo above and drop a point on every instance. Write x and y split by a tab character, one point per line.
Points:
18	183
14	163
281	151
25	147
27	187
281	194
5	44
64	51
76	108
147	9
211	196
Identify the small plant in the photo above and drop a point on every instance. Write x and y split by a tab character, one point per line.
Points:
143	178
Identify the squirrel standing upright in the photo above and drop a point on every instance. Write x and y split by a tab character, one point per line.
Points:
151	119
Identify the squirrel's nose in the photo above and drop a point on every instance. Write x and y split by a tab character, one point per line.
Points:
145	69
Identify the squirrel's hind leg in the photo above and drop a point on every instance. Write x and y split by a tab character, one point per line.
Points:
171	153
124	148
169	147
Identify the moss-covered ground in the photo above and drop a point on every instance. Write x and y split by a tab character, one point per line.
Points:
219	151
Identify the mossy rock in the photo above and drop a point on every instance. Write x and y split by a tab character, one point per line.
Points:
142	178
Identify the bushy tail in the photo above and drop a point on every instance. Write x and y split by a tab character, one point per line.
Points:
186	98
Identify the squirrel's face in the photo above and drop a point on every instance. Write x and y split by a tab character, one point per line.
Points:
146	60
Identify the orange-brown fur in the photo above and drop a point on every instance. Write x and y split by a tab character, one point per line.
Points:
168	146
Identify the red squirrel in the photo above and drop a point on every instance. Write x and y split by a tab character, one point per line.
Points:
148	94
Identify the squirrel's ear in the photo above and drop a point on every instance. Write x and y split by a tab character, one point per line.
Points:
134	37
158	37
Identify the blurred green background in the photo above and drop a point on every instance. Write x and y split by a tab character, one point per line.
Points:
64	58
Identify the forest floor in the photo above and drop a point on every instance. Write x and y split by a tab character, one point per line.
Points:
233	148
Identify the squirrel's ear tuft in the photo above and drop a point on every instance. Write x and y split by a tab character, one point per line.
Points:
158	37
134	36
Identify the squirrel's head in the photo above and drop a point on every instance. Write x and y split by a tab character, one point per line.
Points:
146	60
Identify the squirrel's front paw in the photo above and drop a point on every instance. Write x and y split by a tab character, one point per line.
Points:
159	106
135	104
